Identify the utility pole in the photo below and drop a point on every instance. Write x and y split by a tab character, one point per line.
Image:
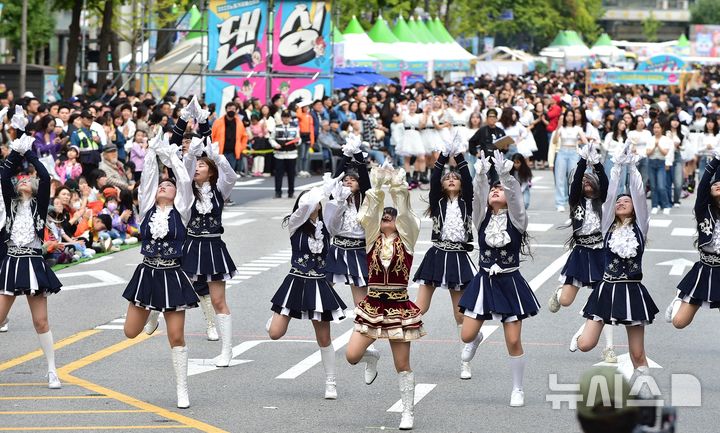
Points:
23	48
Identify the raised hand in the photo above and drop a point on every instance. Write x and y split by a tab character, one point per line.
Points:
196	146
200	115
22	145
398	177
350	148
482	165
329	183
19	120
3	113
340	191
502	165
377	177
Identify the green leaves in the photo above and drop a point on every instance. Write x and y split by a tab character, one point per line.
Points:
40	24
705	12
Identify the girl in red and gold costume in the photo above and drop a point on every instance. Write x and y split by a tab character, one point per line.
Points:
386	311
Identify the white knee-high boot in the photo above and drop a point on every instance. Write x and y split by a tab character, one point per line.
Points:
209	313
407	395
224	322
180	363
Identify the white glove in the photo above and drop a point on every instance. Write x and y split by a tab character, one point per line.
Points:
482	165
502	165
23	144
329	183
200	115
315	196
187	112
196	146
623	155
156	142
454	146
633	160
341	192
19	121
3	113
398	178
350	148
212	150
377	177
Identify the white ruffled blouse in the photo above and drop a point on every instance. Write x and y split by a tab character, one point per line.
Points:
623	241
23	229
316	243
591	223
387	250
496	234
350	226
159	227
715	243
204	205
453	229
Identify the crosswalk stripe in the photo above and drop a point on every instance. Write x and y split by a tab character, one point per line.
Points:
683	231
421	390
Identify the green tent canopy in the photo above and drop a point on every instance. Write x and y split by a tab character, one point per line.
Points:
603	41
423	28
683	41
560	40
337	35
573	38
380	32
402	31
353	27
445	36
415	30
196	23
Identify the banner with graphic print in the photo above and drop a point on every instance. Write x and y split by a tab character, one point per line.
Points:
237	35
221	90
301	37
305	89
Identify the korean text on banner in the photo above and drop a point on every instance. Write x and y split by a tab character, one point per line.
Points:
301	37
237	38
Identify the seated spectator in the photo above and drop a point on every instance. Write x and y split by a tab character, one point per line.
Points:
113	168
71	167
100	236
330	138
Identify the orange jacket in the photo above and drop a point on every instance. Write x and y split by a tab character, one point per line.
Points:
305	123
241	137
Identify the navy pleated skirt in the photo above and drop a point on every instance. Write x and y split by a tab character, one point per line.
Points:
207	259
505	297
697	286
161	285
584	266
25	272
446	269
302	296
201	288
347	265
620	303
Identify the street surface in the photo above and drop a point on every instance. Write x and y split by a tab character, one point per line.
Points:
111	383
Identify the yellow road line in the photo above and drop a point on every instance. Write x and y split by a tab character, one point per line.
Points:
53	397
95	427
67	412
38	353
64	374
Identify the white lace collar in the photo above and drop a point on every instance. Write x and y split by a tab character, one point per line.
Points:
23	229
316	243
591	223
715	244
159	222
453	227
496	234
204	204
623	241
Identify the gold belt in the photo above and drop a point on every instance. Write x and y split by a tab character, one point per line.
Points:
388	294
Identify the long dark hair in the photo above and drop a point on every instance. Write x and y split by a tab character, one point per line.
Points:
524	174
428	211
616	131
213	178
308	227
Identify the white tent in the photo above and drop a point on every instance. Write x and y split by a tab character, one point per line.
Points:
187	55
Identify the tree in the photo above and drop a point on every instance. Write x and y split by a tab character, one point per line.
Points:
650	27
73	43
40	24
705	12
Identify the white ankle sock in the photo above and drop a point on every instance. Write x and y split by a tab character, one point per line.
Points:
608	333
46	344
327	354
517	365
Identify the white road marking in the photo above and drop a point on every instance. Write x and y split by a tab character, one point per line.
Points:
536	227
651	250
96	261
246	272
104	278
421	390
683	231
677	266
110	327
230	215
625	365
198	366
309	362
659	223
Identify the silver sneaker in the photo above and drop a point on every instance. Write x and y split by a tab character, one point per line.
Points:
468	352
554	302
370	359
465	372
609	356
53	380
152	324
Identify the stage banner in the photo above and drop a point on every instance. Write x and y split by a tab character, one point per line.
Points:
221	90
237	35
306	89
301	37
600	76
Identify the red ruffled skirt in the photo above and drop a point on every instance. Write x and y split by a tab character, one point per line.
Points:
389	314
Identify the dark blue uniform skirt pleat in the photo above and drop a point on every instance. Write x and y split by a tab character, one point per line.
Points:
504	297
